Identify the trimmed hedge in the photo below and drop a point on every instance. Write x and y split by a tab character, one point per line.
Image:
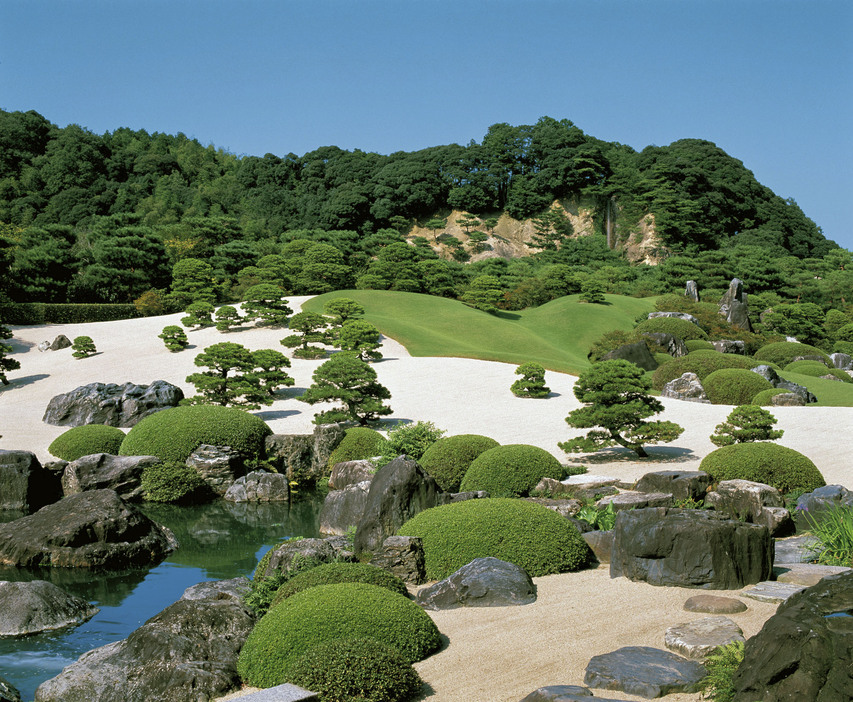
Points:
734	386
355	669
783	352
358	443
329	612
762	399
680	328
173	482
702	363
511	470
32	313
763	462
699	345
173	434
521	532
449	458
333	573
816	369
86	440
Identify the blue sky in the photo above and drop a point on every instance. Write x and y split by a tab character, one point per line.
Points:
769	81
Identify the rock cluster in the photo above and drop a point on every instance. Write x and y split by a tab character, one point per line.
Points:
111	404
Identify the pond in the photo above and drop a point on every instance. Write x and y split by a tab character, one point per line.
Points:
217	541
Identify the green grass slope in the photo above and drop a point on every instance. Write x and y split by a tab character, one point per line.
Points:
829	393
558	334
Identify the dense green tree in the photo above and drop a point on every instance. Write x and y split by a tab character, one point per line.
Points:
199	314
343	309
434	225
228	318
83	347
174	338
44	264
229	378
592	291
802	320
268	371
309	327
552	229
361	338
532	381
6	364
746	423
483	293
193	280
266	305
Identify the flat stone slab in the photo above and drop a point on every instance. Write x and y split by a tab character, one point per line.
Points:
636	500
805	574
714	604
771	591
699	638
643	671
586	481
282	693
797	549
564	693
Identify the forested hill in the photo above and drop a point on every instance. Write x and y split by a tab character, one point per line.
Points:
698	196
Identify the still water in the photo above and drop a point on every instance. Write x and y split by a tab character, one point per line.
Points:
217	541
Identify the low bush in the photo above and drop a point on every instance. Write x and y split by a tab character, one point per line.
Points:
702	363
783	352
86	440
448	459
734	386
699	345
365	670
328	612
511	470
816	369
358	443
333	573
173	434
173	482
680	328
717	685
409	439
763	399
521	532
763	462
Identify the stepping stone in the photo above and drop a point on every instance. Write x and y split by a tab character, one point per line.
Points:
806	574
797	549
586	481
697	639
282	693
636	500
771	591
643	671
564	693
714	604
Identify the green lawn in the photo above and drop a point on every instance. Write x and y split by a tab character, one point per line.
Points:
558	335
829	393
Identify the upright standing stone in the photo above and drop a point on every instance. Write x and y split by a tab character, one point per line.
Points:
25	484
735	307
691	290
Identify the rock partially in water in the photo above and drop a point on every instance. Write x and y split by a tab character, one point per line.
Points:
31	607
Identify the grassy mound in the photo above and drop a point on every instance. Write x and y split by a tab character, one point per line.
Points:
702	363
525	533
173	482
449	458
329	612
334	573
734	386
86	440
511	471
699	345
829	393
763	462
173	434
816	369
679	328
358	443
784	352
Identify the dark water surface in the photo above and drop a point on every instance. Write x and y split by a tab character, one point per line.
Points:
217	541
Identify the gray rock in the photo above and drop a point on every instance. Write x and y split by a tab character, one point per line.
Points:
771	591
730	346
787	399
282	693
484	582
447	497
218	466
31	607
565	507
637	353
688	388
559	693
343	509
234	588
111	404
587	481
259	486
829	376
675	315
812	506
714	604
805	574
689	548
326	439
842	361
350	473
777	382
734	306
104	471
752	502
60	342
551	486
699	638
24	484
691	290
636	500
88	530
643	671
681	484
8	692
43	346
404	557
318	551
186	652
672	345
399	490
797	549
600	543
292	454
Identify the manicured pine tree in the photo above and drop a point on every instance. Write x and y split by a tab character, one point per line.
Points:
174	338
83	347
360	337
532	381
6	364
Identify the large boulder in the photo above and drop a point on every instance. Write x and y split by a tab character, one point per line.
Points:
752	502
304	457
688	387
8	692
681	484
730	346
812	506
643	671
25	485
343	509
259	486
689	548
399	490
218	466
317	550
89	530
60	342
734	306
186	652
111	404
843	361
637	353
676	315
351	472
673	345
31	607
104	471
802	652
691	290
770	375
484	582
404	557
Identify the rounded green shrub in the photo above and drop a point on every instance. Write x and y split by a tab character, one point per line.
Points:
783	352
328	612
816	369
448	459
763	462
680	328
734	386
355	669
333	573
521	532
358	443
86	440
699	345
511	470
173	482
702	363
763	398
173	434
